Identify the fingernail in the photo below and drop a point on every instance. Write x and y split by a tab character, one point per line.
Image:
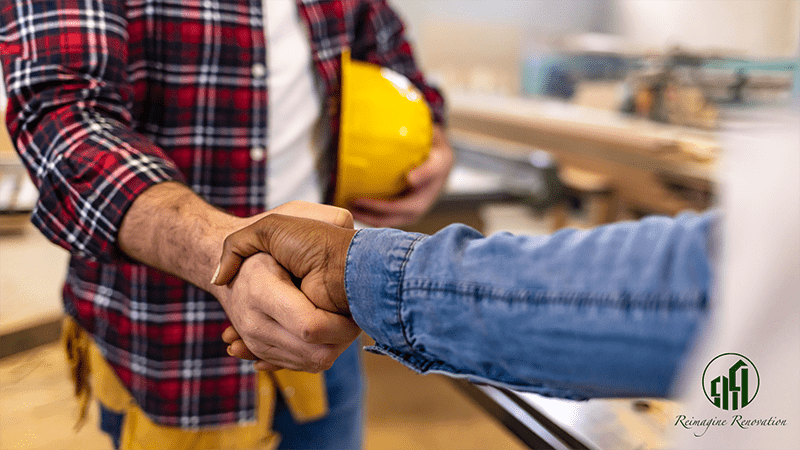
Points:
216	274
230	351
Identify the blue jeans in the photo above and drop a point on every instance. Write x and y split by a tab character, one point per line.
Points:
341	429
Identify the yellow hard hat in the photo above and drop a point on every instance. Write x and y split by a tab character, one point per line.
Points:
385	131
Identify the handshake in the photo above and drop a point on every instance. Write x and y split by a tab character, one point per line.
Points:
298	317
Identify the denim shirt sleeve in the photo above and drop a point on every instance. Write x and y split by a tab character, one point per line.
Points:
607	312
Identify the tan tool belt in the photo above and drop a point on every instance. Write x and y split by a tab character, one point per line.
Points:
304	393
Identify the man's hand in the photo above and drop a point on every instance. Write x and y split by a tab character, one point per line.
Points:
172	229
425	184
278	324
313	251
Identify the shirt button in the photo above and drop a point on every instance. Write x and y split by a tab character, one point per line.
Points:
259	71
257	153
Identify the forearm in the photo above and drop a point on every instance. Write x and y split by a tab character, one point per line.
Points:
69	118
172	229
608	312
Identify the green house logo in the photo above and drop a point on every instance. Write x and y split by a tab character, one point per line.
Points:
730	381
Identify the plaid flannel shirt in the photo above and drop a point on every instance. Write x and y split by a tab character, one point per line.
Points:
107	98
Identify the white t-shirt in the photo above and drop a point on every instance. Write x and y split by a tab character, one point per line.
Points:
296	133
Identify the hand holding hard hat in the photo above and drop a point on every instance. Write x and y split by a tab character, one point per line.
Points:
388	171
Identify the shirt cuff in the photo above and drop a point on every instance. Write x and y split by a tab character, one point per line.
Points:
97	205
374	273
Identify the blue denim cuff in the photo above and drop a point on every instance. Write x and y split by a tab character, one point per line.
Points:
376	262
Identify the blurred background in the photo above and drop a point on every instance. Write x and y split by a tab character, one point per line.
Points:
512	47
563	113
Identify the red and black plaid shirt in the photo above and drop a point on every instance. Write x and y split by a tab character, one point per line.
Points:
107	98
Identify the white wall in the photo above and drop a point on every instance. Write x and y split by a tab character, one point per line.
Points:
479	45
754	28
538	16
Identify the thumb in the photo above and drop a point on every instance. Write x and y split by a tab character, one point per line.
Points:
238	246
253	238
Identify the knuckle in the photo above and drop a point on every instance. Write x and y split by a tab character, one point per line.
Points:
248	328
309	332
322	360
345	217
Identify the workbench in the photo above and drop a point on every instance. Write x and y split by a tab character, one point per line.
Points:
653	168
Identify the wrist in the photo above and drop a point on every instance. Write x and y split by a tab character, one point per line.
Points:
172	229
210	248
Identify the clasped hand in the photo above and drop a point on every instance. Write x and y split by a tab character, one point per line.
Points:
282	324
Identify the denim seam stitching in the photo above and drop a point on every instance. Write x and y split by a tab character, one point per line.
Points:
400	289
624	301
422	363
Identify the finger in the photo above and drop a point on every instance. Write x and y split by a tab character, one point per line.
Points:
316	326
413	201
250	239
438	164
264	366
429	171
393	213
278	346
385	207
239	349
290	353
297	314
318	360
230	335
237	247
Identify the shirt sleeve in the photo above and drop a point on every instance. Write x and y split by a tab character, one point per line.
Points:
609	312
65	65
380	39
